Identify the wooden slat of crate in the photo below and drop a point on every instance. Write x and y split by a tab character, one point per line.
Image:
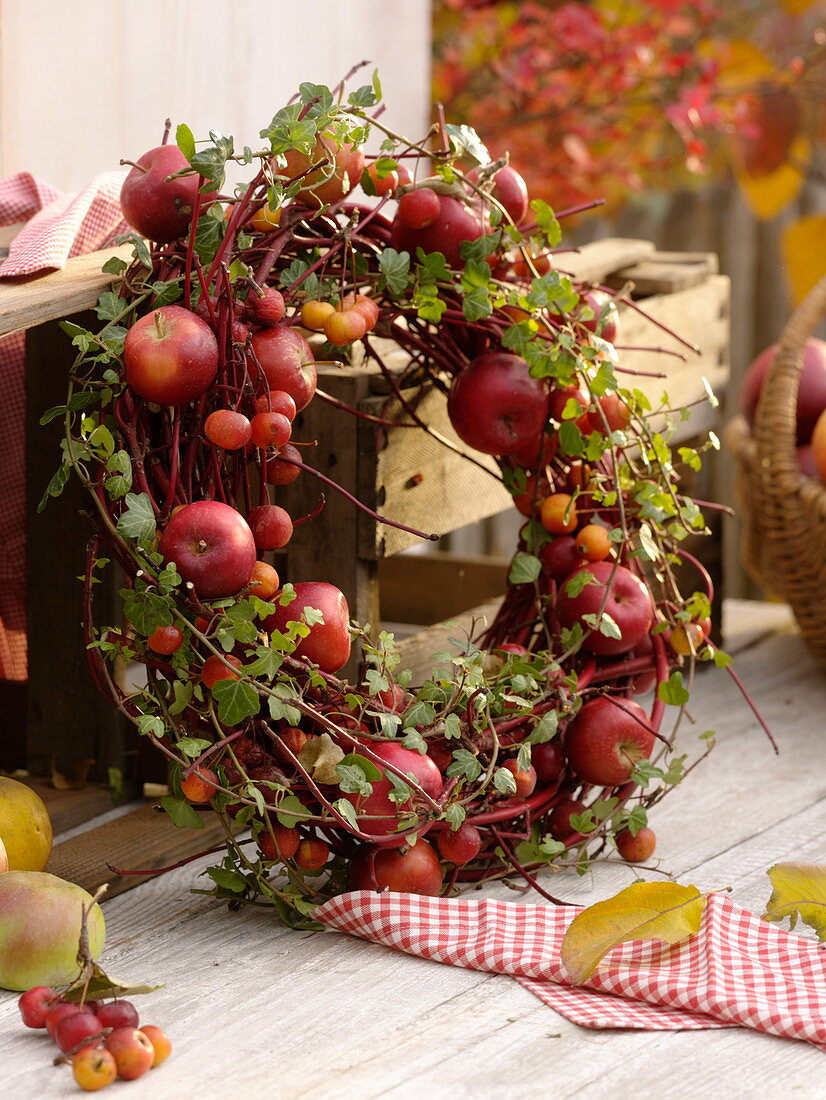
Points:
666	272
595	262
70	808
144	839
426	588
31	301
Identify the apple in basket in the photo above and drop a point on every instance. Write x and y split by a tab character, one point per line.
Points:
811	396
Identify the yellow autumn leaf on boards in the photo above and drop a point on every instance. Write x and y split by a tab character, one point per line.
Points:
803	245
663	911
768	195
798	891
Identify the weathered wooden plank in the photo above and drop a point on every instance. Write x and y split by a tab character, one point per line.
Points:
666	272
67	720
31	301
594	262
417	650
70	808
144	838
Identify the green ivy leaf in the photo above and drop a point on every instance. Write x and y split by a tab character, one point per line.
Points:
455	815
673	690
395	267
182	813
525	568
465	764
236	701
146	609
464	139
137	522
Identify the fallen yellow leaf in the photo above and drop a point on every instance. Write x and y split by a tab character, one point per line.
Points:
767	195
799	891
663	911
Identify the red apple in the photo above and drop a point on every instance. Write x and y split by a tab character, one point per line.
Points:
495	406
559	821
287	361
560	557
628	602
548	759
597	301
509	189
377	813
212	546
462	846
636	847
328	643
811	396
170	356
414	870
157	207
456	223
817	460
606	739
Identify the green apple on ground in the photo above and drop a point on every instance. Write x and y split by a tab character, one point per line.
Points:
40	921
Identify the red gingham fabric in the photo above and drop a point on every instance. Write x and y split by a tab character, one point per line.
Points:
57	226
737	970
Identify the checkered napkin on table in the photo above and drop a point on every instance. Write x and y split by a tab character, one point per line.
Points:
57	227
737	971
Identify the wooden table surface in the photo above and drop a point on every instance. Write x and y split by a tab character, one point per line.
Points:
255	1010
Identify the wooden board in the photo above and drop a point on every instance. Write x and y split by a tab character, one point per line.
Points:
70	808
143	839
665	272
30	301
594	262
427	588
376	1023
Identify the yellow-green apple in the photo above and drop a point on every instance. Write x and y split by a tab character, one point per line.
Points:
170	356
212	546
40	922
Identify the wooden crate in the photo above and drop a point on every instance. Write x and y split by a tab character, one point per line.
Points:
402	473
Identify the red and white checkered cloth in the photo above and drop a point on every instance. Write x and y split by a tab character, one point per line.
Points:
58	226
738	970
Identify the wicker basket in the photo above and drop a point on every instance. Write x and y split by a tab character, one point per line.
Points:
784	512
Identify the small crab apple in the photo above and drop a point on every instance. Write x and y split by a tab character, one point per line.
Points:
264	582
56	1013
312	854
345	326
227	429
35	1003
525	779
94	1068
419	208
271	526
277	401
199	786
314	314
270	429
215	669
160	1043
278	842
118	1013
560	821
264	307
132	1050
462	846
454	224
636	847
77	1028
509	189
328	643
278	472
165	639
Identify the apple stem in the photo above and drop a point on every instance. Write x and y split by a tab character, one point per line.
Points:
167	126
133	164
